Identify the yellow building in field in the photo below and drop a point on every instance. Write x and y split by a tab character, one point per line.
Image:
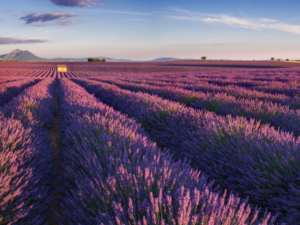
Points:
61	68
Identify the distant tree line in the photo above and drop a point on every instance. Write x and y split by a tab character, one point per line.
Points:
8	61
96	60
272	58
33	61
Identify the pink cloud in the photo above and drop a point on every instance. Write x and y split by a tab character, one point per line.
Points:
65	23
9	40
72	3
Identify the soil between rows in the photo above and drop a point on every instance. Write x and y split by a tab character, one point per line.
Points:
55	144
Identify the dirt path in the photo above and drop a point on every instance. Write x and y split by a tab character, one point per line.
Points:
57	166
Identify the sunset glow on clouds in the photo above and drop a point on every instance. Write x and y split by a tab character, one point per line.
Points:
9	41
72	3
180	29
247	23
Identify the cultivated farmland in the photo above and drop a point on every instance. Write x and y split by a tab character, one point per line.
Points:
150	143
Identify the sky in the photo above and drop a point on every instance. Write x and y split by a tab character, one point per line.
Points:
145	30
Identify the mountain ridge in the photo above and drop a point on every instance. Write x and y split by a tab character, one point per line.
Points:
19	55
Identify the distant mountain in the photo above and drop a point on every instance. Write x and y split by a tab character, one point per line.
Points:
2	56
19	55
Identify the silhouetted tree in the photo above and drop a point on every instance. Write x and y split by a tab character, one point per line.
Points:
96	60
203	58
272	58
287	60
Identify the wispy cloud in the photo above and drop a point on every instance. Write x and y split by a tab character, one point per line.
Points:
128	13
1	19
247	23
36	17
10	10
137	20
10	40
46	31
65	23
74	3
39	25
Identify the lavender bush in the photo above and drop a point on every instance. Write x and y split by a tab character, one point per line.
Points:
266	87
27	160
220	146
221	103
12	89
35	106
18	148
8	79
114	175
234	90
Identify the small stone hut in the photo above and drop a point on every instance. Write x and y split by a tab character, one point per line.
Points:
61	68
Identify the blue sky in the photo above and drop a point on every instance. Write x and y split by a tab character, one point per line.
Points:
143	30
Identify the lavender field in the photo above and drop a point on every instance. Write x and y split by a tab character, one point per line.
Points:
179	143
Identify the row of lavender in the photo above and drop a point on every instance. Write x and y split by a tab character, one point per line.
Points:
8	90
26	157
27	185
219	70
268	92
114	174
219	146
288	88
184	69
44	73
276	92
260	90
279	116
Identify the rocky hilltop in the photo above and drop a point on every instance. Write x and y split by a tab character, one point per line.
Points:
19	55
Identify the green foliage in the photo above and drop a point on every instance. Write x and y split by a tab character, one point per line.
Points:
203	58
96	60
9	144
8	61
213	106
